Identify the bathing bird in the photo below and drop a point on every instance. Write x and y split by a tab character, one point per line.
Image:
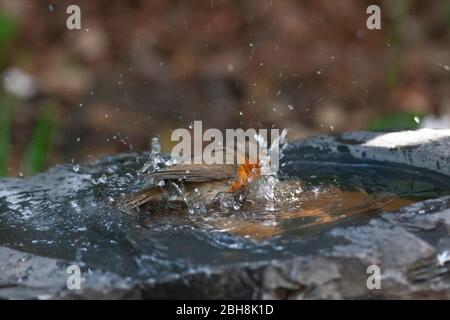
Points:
197	186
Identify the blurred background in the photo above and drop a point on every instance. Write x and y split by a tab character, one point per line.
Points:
143	68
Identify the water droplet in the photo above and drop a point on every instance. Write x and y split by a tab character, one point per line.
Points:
74	204
103	179
290	107
417	119
76	167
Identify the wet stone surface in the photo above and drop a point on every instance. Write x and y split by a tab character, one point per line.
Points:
67	215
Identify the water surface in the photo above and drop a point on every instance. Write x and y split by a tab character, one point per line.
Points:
69	214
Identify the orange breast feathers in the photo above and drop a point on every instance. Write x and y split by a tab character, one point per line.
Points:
246	173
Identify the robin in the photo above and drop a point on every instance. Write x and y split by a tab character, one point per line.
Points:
197	186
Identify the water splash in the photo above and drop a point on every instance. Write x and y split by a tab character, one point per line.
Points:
155	160
191	199
267	184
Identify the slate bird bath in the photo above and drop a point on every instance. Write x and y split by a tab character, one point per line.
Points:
66	216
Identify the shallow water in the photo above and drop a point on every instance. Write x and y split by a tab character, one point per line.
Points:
70	215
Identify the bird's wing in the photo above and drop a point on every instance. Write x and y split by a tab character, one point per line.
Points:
194	172
140	198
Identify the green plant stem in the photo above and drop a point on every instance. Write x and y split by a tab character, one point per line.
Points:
6	111
41	141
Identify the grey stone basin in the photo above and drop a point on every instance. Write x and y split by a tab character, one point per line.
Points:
411	246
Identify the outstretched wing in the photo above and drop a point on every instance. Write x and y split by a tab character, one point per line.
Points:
184	172
140	198
194	172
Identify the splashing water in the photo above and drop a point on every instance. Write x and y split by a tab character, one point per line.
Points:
192	201
263	186
155	161
266	184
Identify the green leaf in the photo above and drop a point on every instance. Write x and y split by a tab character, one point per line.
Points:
41	141
396	121
6	111
8	29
